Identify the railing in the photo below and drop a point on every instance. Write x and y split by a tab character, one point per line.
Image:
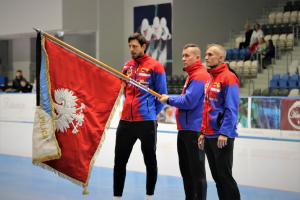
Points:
260	62
289	54
250	83
270	68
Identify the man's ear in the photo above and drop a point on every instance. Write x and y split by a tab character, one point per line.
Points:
144	46
222	59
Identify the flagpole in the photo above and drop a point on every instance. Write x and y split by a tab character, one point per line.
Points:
101	64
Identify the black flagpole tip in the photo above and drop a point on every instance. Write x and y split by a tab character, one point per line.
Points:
37	30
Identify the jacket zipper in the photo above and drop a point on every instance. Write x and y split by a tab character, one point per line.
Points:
133	95
183	92
148	105
131	103
186	117
207	103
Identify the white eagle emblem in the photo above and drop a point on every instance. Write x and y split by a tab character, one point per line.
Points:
67	113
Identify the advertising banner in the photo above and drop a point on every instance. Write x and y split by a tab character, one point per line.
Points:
290	114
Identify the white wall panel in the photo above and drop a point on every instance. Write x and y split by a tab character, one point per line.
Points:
18	16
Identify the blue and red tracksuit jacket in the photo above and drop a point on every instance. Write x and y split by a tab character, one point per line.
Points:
221	104
140	105
190	103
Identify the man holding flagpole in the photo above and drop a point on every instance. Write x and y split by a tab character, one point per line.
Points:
138	119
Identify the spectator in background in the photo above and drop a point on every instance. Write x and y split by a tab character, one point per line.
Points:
256	34
17	81
253	49
262	46
25	87
248	34
269	54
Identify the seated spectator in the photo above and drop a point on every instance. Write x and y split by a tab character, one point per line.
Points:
261	49
262	46
269	54
253	48
25	87
17	81
256	34
248	34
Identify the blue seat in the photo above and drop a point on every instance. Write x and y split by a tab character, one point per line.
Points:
229	54
285	77
283	82
276	77
274	82
294	81
3	81
235	54
245	54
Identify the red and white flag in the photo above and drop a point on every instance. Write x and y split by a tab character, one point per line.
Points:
76	103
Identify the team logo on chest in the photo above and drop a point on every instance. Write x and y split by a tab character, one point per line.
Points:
216	87
214	91
129	71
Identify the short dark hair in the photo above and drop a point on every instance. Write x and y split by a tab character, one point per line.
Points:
191	45
139	37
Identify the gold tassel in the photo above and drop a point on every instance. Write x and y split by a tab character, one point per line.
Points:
85	190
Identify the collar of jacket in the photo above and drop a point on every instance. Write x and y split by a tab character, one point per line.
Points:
141	59
191	68
217	70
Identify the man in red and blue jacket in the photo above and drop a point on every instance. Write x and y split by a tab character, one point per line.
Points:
140	105
220	121
138	119
189	118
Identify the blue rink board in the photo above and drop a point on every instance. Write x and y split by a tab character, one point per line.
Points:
20	180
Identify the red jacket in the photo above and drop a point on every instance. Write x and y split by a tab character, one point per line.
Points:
140	105
221	103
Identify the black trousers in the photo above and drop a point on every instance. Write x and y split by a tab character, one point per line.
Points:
126	136
192	165
220	163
